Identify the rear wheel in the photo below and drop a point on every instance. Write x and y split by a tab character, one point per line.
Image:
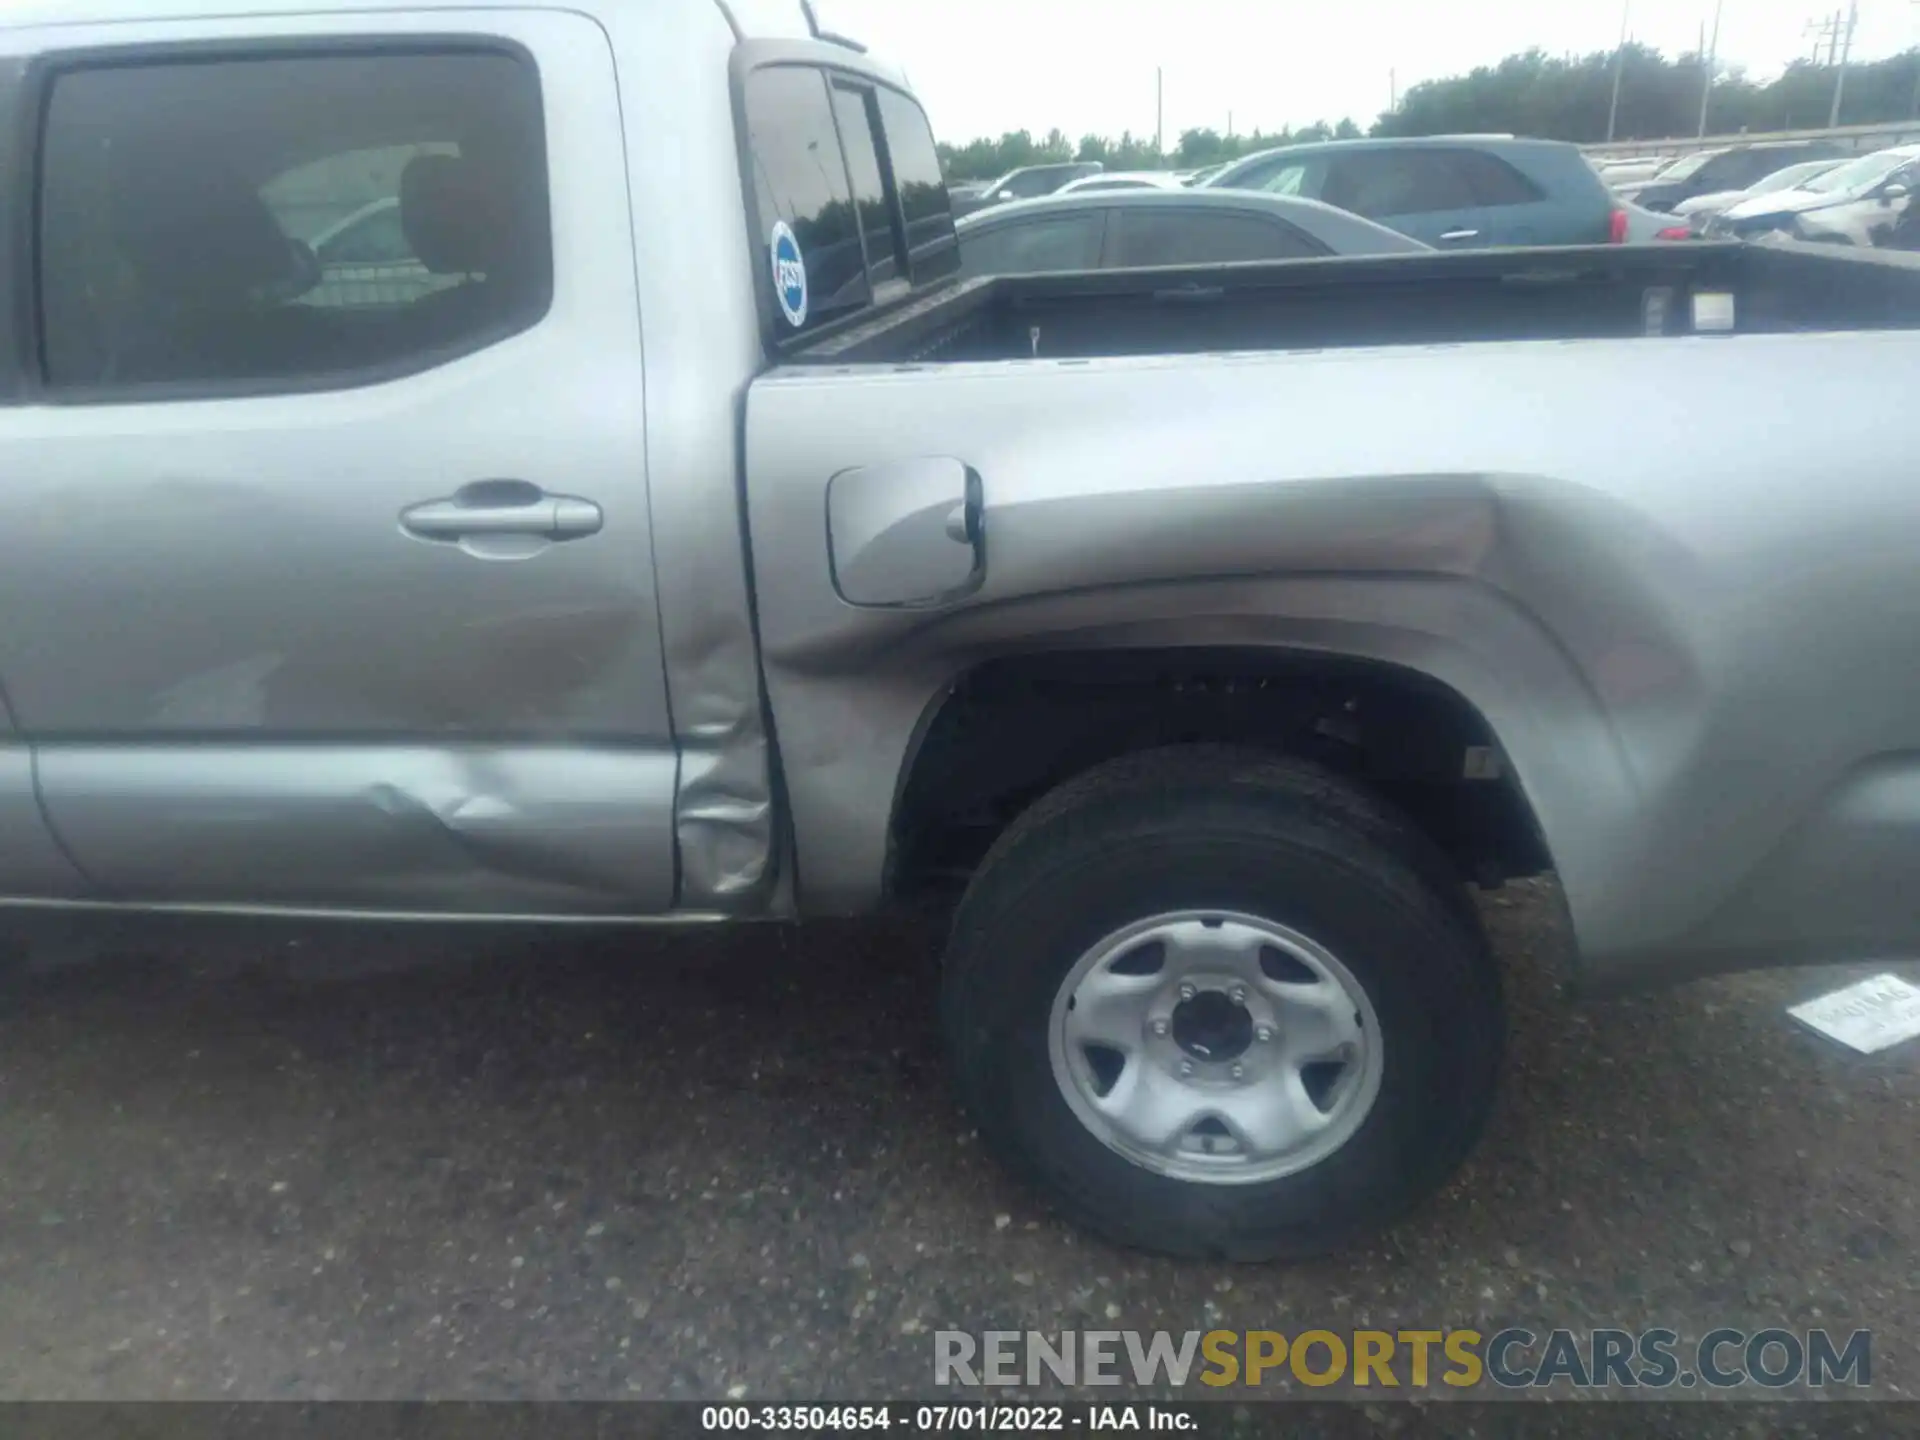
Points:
1220	1004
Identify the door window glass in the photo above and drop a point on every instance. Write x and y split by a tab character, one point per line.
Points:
1163	235
281	222
1068	242
1381	183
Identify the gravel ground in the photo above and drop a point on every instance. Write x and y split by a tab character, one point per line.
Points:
331	1163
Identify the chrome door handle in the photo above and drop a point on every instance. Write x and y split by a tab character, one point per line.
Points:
1461	235
503	507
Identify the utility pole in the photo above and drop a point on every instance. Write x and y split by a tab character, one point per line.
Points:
1846	53
1393	87
1707	58
1160	110
1825	30
1619	66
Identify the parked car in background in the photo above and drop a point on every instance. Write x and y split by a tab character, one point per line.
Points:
1732	167
1702	208
1455	191
1635	170
1124	180
1129	229
1030	182
1862	202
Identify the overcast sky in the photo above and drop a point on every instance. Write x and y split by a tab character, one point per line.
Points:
987	66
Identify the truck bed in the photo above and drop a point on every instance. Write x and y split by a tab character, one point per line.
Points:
1442	298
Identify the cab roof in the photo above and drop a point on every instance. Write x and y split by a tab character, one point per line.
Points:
750	19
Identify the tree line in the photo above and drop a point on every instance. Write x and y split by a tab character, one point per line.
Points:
1564	97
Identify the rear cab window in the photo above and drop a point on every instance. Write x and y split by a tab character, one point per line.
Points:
848	202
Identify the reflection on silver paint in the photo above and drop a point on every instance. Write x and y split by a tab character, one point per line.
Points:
1681	594
477	830
1681	654
33	863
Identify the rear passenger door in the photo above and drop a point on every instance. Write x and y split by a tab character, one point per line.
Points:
1145	235
325	573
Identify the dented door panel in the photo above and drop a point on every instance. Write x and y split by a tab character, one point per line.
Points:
250	684
497	830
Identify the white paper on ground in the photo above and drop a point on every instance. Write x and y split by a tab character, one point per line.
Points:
1868	1016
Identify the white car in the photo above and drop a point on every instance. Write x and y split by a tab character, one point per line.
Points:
1635	171
1702	208
1124	180
1859	203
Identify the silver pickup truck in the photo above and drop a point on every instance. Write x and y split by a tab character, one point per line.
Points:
639	521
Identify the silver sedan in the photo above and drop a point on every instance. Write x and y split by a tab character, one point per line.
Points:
1128	229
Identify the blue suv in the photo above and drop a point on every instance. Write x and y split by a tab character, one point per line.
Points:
1452	191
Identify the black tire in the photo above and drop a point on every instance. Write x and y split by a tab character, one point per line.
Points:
1198	828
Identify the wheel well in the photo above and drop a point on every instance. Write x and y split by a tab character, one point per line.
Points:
1013	729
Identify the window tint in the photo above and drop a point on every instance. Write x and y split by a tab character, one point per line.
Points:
1167	236
921	186
1381	183
373	237
1687	166
1283	179
800	180
1491	180
185	206
1032	184
869	190
1067	242
366	260
1758	163
1724	170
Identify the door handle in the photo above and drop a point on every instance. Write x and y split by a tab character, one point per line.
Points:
1461	235
503	507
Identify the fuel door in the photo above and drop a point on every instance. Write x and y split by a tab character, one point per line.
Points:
906	535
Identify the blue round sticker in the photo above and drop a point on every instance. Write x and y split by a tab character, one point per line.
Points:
789	275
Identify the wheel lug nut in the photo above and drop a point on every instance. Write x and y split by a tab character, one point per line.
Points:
1264	1034
1159	1027
1239	994
1239	1072
1187	992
